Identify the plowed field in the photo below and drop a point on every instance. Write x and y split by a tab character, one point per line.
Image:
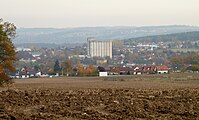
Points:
95	98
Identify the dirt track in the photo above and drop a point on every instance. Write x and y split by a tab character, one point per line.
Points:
101	98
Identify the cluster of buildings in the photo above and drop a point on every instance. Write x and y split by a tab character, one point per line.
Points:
103	71
105	48
29	73
138	70
123	59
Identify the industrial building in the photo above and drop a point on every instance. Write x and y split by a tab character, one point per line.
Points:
97	48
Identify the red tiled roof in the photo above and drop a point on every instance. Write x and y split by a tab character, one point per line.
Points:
162	67
122	68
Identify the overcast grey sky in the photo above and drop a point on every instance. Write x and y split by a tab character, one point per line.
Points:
87	13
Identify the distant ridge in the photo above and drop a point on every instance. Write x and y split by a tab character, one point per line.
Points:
79	35
185	36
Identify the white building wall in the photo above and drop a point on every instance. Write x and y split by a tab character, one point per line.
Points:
99	48
102	74
162	71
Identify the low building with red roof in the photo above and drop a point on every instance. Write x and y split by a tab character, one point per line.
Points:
162	69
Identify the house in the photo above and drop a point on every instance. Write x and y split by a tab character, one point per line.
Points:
114	71
162	69
29	73
21	74
137	70
189	69
125	70
149	69
193	69
146	69
121	71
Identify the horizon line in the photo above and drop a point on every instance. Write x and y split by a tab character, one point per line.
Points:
101	26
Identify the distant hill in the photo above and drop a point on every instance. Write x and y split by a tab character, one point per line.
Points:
79	35
186	36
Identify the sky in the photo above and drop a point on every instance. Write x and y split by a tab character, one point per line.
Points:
91	13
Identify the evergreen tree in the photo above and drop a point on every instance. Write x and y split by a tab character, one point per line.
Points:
57	66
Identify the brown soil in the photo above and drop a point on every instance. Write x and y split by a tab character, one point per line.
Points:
101	98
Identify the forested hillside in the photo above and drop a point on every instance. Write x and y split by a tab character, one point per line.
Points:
79	35
186	36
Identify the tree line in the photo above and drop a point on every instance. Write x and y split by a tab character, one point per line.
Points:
67	68
186	36
182	62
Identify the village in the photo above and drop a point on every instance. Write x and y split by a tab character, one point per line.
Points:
122	58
